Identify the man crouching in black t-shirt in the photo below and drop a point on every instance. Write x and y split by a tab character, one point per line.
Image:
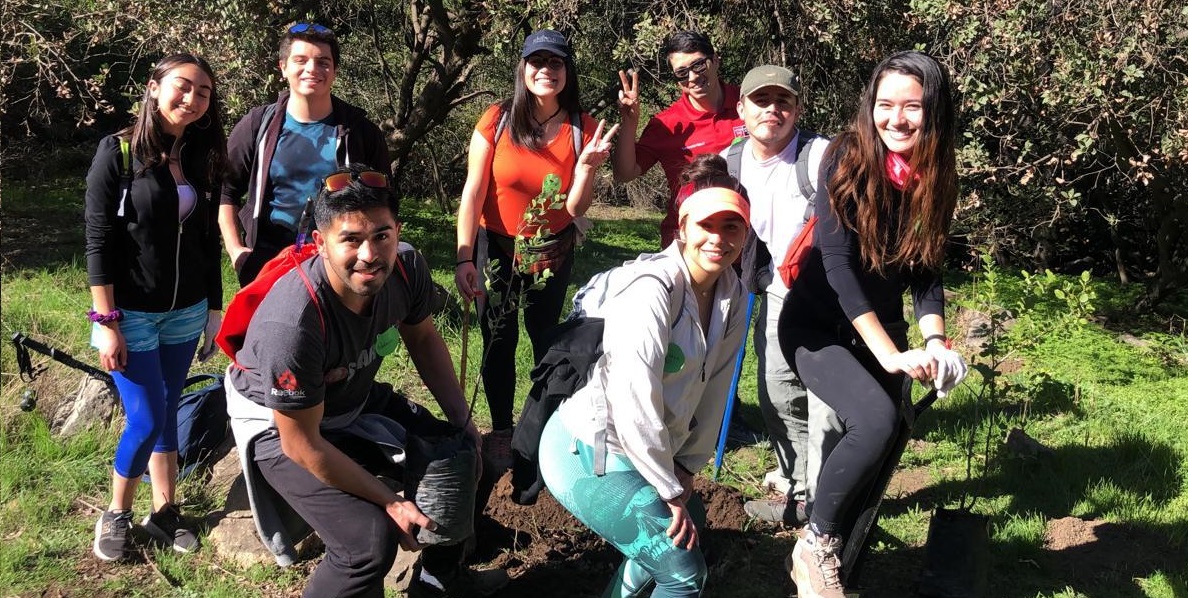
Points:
313	427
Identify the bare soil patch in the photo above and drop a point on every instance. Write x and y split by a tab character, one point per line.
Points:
550	553
1105	553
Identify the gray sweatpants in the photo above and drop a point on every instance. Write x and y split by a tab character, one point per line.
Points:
802	428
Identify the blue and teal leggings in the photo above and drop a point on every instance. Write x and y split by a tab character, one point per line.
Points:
160	349
626	511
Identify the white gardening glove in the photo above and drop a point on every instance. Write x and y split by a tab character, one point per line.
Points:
214	320
950	369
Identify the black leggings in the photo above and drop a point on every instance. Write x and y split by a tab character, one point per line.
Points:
848	377
501	330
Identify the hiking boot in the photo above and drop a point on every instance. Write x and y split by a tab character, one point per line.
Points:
497	450
775	480
465	584
778	510
815	566
167	527
111	535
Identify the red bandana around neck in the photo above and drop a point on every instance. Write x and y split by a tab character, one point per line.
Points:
898	170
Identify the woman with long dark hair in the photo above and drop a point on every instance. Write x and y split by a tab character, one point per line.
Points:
516	144
152	250
892	188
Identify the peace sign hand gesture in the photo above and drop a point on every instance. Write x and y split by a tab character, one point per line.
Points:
598	150
629	97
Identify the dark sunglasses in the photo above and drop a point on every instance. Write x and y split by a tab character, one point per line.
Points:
341	180
698	67
538	62
310	27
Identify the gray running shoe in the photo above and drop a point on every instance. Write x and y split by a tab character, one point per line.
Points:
778	510
111	535
168	527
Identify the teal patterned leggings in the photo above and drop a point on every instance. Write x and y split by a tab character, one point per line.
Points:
626	511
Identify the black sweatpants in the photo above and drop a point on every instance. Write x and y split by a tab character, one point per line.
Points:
361	540
501	329
848	378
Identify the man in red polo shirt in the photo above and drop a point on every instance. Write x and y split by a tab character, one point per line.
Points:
703	120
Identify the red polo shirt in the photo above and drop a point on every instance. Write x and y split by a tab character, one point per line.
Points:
673	136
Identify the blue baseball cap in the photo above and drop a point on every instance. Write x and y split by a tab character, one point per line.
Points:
547	40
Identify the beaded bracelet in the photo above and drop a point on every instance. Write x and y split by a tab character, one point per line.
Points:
114	315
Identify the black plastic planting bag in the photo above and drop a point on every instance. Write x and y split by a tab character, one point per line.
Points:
957	555
441	479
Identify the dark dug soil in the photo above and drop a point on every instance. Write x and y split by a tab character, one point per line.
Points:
549	553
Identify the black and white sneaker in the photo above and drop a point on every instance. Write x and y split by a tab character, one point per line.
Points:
111	535
167	526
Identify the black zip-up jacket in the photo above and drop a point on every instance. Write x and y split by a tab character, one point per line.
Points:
250	152
153	262
835	287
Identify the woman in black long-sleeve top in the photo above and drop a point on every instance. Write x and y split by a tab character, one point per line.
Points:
156	286
892	187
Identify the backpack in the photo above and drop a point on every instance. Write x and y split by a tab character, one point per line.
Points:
244	304
755	254
575	346
203	426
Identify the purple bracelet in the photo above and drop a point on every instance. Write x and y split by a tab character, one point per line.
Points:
114	315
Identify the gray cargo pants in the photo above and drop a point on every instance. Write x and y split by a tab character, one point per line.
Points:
801	427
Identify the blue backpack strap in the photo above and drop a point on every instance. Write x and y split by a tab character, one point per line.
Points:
125	174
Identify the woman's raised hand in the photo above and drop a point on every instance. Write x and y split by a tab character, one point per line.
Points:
598	150
629	97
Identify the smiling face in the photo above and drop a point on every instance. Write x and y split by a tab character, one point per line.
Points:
712	244
899	112
544	74
360	250
309	69
770	114
182	97
698	86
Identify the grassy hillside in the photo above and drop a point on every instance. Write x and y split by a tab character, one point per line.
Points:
1103	513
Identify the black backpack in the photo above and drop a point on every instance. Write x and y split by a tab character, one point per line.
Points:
755	256
203	427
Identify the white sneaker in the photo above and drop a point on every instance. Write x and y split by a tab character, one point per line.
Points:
775	480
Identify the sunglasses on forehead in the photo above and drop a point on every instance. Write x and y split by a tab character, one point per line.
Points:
369	178
309	28
697	66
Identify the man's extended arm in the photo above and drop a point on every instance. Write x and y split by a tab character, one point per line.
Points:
625	166
302	441
432	359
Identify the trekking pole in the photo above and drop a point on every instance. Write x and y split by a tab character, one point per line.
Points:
465	343
28	373
738	361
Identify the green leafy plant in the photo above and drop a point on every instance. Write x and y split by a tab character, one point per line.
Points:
1014	324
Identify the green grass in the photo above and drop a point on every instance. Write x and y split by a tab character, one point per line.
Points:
1111	401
